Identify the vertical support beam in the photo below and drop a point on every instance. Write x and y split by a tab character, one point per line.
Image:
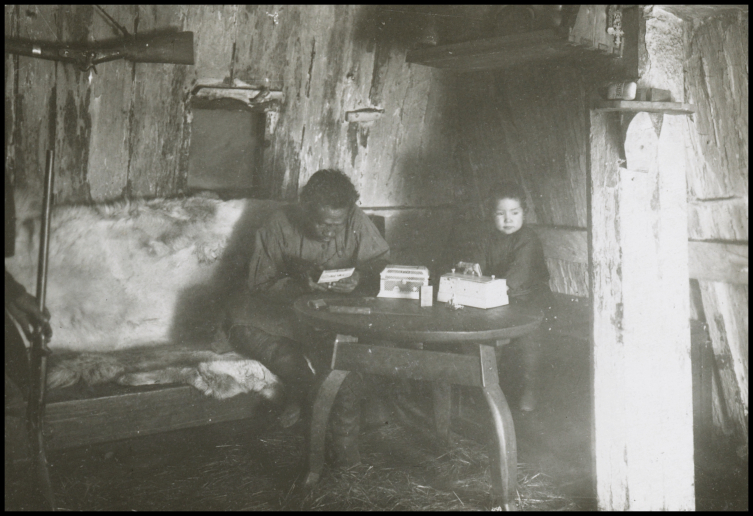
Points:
643	419
610	414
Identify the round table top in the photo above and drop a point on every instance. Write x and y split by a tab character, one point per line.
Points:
406	321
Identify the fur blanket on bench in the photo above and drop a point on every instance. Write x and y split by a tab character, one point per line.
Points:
221	376
138	288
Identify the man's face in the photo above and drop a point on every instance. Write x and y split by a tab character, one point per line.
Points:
327	222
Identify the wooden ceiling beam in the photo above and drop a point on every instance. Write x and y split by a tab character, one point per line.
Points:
701	12
494	53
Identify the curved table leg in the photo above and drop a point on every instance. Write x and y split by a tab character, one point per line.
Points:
325	397
504	463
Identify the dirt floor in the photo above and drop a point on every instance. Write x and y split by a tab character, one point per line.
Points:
252	465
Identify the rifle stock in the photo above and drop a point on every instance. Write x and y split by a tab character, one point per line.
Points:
39	350
168	47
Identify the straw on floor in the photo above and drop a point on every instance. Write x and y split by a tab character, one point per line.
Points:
237	467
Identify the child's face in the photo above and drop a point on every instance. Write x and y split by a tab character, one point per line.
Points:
508	216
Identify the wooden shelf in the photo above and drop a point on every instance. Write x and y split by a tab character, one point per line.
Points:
495	53
633	106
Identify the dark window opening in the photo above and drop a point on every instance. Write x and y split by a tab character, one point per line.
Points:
225	152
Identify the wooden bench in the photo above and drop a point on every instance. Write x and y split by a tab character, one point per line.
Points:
124	241
81	415
77	416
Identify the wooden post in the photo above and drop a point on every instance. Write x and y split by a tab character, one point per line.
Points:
643	410
643	418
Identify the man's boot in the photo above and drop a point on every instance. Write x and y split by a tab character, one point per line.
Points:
345	423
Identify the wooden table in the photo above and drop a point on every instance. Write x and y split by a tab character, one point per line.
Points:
404	321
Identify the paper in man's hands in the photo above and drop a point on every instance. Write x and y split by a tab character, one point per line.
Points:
333	275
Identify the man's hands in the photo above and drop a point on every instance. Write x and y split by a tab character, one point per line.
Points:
313	286
287	289
24	309
346	285
343	286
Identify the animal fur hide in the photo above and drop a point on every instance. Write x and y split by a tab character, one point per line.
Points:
219	376
142	274
137	273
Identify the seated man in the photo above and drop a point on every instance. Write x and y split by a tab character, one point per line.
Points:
326	230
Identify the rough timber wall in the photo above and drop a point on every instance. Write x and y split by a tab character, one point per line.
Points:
716	81
125	130
527	125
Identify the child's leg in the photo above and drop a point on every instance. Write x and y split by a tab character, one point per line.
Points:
531	350
530	347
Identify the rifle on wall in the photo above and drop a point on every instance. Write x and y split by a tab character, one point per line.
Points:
167	47
39	350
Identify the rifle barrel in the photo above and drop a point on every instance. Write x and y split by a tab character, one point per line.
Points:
44	244
39	350
44	51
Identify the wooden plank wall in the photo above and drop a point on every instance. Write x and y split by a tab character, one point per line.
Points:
527	125
716	81
126	130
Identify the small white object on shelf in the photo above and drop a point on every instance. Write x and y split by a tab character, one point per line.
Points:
621	91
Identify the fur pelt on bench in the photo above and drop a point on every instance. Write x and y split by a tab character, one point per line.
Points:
218	375
142	276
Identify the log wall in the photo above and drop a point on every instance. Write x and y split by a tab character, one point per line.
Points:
125	130
716	81
527	125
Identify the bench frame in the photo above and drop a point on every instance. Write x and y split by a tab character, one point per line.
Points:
138	411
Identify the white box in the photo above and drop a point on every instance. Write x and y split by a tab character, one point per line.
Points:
476	291
427	296
403	281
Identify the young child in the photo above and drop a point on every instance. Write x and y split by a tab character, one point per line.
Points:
511	250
